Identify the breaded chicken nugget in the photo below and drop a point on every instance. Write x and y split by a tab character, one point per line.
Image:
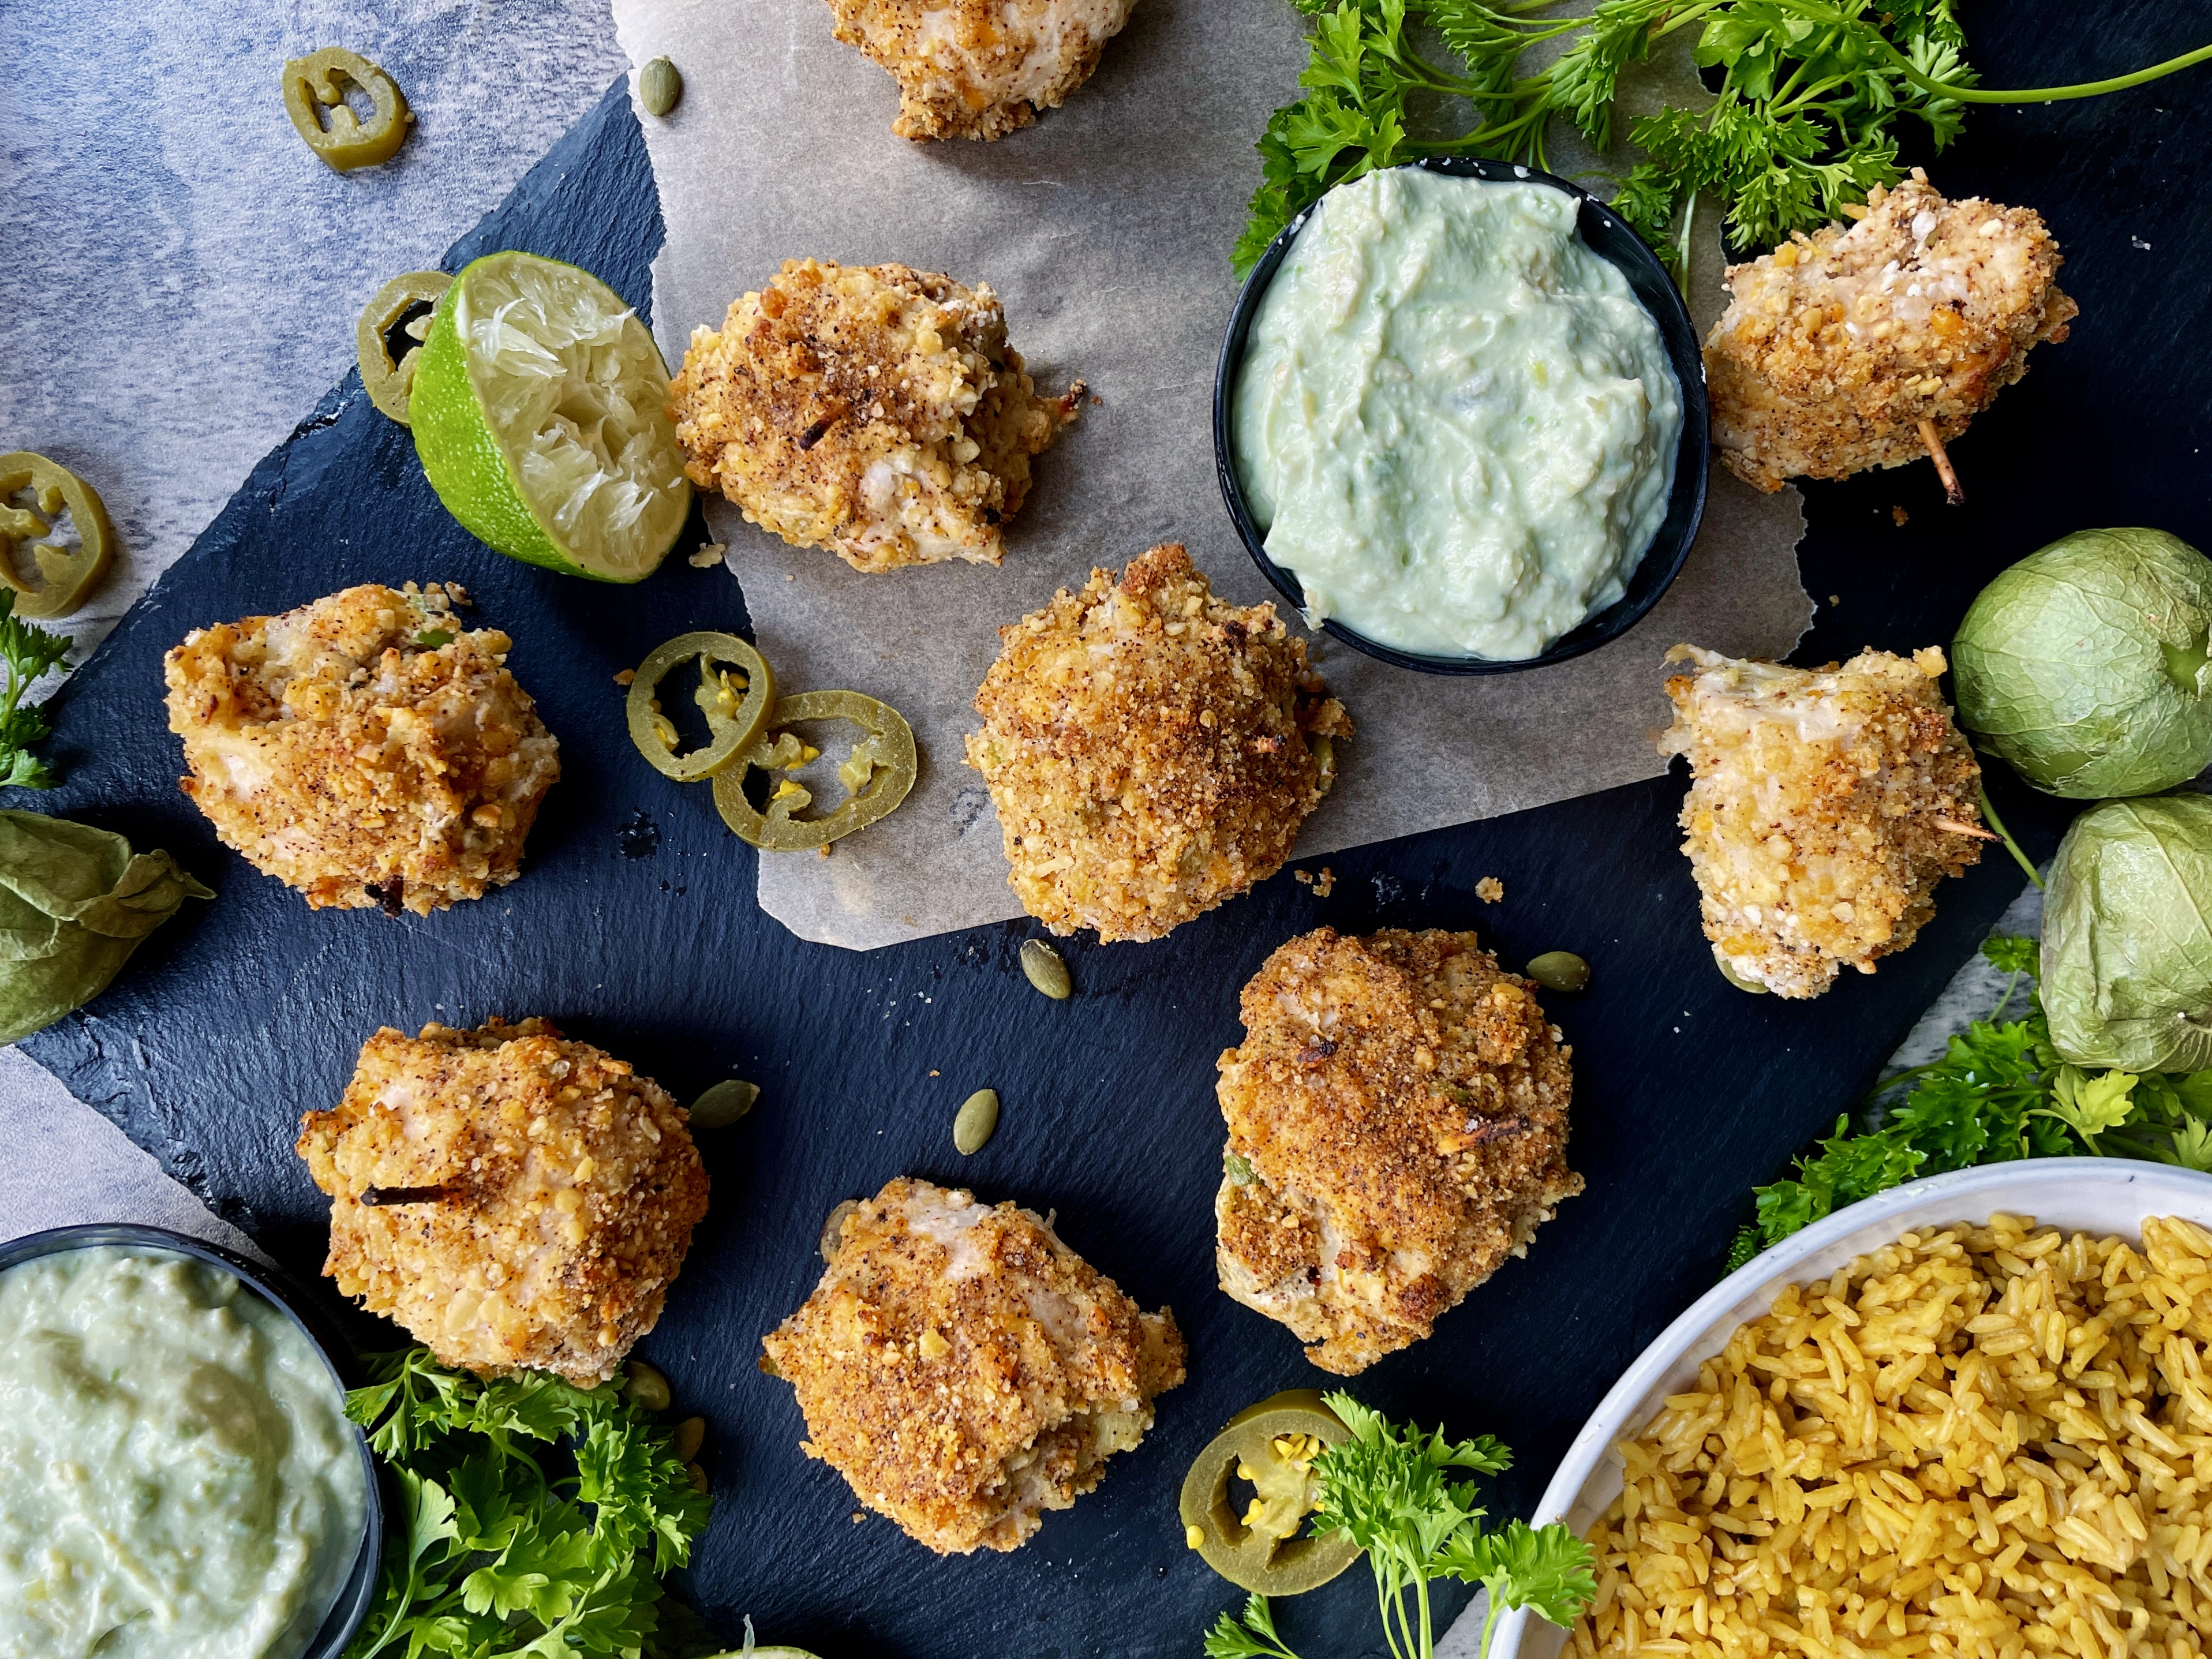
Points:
872	409
513	1199
364	750
1837	350
979	69
965	1371
1151	750
1397	1127
1825	805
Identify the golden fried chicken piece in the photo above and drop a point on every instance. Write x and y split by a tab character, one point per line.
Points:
1836	349
1151	750
513	1199
979	69
1397	1127
364	750
872	409
965	1371
1824	805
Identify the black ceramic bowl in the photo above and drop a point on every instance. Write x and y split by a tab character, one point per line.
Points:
359	1587
1618	245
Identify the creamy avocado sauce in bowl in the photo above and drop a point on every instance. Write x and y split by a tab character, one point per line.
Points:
1460	418
177	1477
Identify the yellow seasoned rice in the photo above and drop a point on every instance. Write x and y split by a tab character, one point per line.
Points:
1993	1442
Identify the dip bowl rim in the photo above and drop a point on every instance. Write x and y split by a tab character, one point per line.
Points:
356	1592
1607	236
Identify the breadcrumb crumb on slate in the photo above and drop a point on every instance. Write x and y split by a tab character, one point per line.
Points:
1836	346
1400	1104
965	1371
1824	805
1151	750
365	750
979	69
875	410
566	1190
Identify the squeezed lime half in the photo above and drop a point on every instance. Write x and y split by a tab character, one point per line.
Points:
540	412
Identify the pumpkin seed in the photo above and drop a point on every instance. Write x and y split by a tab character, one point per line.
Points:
1729	974
1560	971
833	1230
691	1435
1045	969
766	1366
647	1387
1236	1167
698	1478
724	1104
659	87
973	1126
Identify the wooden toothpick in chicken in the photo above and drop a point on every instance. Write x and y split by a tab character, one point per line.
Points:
1874	345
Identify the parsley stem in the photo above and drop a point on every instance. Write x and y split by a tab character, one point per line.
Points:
2043	94
2004	834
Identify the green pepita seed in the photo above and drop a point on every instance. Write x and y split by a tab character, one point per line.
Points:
1560	971
766	1366
647	1387
977	1118
1237	1169
724	1104
1045	969
1729	974
659	87
833	1230
691	1435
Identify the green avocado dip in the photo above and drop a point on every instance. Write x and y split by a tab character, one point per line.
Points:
1455	424
178	1479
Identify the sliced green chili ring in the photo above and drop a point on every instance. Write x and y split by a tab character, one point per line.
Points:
737	710
1264	1549
67	575
877	776
347	143
390	384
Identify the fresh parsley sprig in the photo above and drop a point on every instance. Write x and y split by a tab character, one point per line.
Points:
1389	1490
2001	1091
28	651
490	1556
1800	132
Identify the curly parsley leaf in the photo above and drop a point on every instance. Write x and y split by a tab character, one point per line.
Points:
1999	1092
2090	1105
496	1559
1251	1636
1811	94
29	652
1395	1490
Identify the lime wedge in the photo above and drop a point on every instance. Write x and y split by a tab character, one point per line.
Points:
540	412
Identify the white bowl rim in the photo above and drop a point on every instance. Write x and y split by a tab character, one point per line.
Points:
1779	1265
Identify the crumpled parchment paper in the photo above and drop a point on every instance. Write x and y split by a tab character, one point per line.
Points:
1106	230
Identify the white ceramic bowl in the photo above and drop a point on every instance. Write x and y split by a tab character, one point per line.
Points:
2101	1195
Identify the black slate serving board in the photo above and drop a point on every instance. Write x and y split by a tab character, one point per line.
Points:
634	927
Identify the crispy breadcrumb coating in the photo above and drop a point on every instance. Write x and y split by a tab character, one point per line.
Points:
1824	805
1397	1127
872	409
964	1370
1836	346
345	751
1151	750
567	1189
979	69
